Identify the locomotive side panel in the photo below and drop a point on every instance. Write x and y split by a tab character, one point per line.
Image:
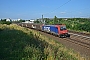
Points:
50	29
54	30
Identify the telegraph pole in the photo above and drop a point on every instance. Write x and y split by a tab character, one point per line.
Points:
42	19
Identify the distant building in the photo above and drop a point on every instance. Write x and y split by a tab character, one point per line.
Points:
29	21
8	19
32	21
16	19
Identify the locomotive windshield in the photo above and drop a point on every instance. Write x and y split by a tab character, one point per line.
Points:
63	28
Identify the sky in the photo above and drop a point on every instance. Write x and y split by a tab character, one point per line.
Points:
33	9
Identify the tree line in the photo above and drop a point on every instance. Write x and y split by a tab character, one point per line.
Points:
78	24
4	21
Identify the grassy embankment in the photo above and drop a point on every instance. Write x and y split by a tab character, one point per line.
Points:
19	43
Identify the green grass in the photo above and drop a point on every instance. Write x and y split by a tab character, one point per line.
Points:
19	43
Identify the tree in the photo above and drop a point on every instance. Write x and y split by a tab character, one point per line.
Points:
3	20
37	21
47	20
55	21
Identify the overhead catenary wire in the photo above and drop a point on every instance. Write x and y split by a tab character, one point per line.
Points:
62	6
55	9
58	7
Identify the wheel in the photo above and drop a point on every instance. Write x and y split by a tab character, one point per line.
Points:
68	35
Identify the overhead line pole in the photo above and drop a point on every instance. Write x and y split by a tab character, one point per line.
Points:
42	19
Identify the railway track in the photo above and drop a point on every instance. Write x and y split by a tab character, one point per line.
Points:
77	39
80	33
86	45
79	46
83	48
79	42
85	40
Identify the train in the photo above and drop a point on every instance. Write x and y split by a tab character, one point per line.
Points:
59	30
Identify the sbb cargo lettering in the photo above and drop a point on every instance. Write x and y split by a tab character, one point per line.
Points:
47	28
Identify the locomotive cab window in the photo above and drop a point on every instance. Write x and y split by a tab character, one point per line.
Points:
63	28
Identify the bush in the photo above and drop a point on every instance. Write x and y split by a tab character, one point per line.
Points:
5	22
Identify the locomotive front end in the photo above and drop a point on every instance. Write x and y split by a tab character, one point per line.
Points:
63	32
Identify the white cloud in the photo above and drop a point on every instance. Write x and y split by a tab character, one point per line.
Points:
63	12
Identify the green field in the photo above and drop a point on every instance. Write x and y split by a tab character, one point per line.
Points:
19	43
